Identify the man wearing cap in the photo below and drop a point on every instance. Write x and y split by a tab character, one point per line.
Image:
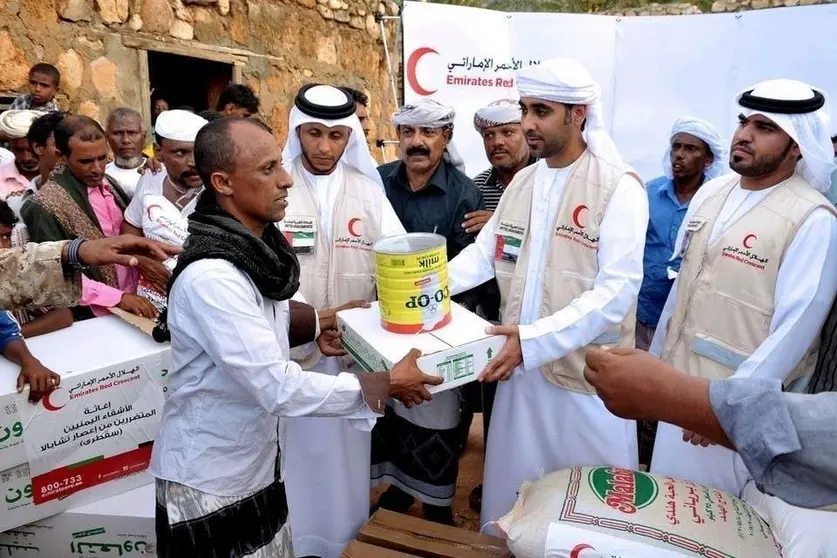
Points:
565	246
16	176
757	275
336	211
163	201
417	450
505	148
125	136
80	201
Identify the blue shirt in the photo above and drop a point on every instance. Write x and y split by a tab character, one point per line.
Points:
791	450
9	330
666	213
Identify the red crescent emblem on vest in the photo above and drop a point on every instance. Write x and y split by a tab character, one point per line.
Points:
412	62
577	216
153	206
576	551
352	223
749	240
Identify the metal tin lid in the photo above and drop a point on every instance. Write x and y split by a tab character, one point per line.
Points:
409	243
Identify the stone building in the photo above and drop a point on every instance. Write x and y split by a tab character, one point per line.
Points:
116	52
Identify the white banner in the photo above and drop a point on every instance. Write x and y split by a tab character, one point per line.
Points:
652	70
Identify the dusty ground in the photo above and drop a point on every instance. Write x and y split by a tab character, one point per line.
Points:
470	475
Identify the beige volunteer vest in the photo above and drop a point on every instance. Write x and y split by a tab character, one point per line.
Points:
572	260
726	289
333	274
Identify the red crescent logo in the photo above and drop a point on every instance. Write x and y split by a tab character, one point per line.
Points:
576	551
352	222
150	207
61	398
748	243
577	216
412	62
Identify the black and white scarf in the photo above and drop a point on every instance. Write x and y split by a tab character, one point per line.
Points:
269	261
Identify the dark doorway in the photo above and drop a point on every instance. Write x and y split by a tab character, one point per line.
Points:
187	81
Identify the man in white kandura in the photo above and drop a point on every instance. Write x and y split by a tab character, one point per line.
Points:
757	276
337	210
565	245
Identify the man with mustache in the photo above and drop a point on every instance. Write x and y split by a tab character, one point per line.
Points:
417	450
337	210
164	200
696	154
757	275
125	137
565	246
80	201
16	176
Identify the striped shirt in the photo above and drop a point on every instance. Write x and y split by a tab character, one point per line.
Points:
492	189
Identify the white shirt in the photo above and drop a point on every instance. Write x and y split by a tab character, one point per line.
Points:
231	378
6	156
805	286
151	185
326	189
615	288
126	178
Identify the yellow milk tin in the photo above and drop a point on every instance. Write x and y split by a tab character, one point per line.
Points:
411	273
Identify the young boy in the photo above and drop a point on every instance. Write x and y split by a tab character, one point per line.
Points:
44	80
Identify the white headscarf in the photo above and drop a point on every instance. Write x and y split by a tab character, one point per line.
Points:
15	123
356	154
562	80
427	113
504	111
810	130
707	133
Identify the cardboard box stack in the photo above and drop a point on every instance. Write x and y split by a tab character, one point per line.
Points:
87	442
393	535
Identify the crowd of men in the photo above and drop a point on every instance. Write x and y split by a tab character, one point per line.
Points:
723	267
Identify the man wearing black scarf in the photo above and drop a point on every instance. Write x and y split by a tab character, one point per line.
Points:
231	324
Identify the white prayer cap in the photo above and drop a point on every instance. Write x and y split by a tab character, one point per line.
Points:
707	133
504	111
179	125
562	80
802	112
15	123
425	113
330	106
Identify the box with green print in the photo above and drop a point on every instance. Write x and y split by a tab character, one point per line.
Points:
109	399
457	352
118	525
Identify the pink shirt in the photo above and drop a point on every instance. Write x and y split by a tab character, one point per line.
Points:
11	180
100	296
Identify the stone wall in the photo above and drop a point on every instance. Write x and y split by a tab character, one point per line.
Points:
285	43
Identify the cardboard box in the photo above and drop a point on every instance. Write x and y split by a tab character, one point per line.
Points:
414	536
101	361
457	352
18	506
95	428
122	525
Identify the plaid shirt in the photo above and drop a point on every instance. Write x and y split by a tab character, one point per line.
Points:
24	102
